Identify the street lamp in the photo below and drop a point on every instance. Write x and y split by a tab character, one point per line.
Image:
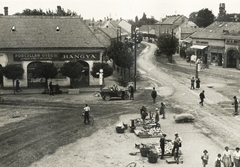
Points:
135	59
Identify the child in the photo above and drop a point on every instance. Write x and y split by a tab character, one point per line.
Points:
218	161
205	158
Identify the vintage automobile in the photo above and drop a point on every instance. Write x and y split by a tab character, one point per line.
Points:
110	93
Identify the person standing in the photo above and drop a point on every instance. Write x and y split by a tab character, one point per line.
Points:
131	92
86	114
162	145
154	95
50	88
202	97
192	83
198	83
176	144
156	116
235	103
18	86
205	158
162	110
218	161
143	112
236	157
227	159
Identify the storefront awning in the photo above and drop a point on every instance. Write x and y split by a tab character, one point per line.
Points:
198	47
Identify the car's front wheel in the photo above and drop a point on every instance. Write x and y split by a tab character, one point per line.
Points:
107	97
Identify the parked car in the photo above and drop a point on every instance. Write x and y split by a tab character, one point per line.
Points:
110	93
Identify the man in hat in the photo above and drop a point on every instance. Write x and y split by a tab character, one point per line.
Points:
235	103
176	144
162	145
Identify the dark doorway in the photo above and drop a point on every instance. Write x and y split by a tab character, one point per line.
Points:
83	80
220	59
231	61
34	82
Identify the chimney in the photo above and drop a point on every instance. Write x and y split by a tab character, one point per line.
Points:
6	11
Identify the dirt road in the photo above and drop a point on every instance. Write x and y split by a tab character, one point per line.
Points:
53	136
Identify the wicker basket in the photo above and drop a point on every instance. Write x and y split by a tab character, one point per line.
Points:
152	159
144	151
120	130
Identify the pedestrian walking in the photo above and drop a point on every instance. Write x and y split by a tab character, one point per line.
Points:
86	114
192	83
235	103
202	97
162	145
51	88
226	158
131	90
176	144
18	86
218	161
236	157
205	158
198	83
154	95
162	110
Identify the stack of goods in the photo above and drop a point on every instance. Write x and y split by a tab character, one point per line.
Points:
151	132
168	148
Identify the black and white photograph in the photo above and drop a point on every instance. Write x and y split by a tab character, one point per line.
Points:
119	83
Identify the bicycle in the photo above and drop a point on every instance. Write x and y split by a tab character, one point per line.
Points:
1	100
91	119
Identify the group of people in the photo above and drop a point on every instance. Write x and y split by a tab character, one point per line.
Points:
158	111
177	143
227	158
197	83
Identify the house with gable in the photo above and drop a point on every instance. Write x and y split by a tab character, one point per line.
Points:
216	44
30	40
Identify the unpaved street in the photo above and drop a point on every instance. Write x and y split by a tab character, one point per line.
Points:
52	135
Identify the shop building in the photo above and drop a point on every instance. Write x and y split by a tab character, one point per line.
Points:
29	40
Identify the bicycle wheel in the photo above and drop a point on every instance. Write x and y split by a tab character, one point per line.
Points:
132	164
1	100
91	121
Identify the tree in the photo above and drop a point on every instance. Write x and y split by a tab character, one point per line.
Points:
47	71
204	18
193	17
13	72
107	70
73	70
39	12
168	45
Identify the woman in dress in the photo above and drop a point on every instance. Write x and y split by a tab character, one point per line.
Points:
226	158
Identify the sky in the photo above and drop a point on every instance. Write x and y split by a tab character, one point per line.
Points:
125	9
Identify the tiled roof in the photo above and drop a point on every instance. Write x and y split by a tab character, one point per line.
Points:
171	19
40	32
111	32
217	30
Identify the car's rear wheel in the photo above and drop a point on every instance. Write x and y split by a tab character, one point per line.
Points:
107	97
126	97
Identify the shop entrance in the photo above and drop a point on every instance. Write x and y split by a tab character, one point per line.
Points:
83	81
34	82
231	60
